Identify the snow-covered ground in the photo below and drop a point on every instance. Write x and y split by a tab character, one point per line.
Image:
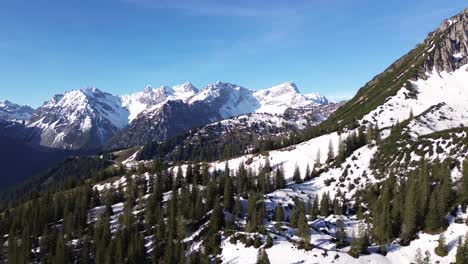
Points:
447	88
283	251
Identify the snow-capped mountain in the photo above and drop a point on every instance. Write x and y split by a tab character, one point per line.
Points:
277	99
14	112
149	97
83	118
88	118
213	103
229	99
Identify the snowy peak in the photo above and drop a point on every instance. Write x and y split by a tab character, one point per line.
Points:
14	112
83	118
281	97
230	99
186	87
317	98
149	98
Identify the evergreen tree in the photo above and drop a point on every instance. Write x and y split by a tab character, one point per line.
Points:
297	175
360	243
325	205
331	152
303	230
461	256
228	196
314	210
216	219
464	182
308	174
237	207
279	215
262	257
340	233
62	254
280	182
318	157
251	212
441	249
408	229
433	221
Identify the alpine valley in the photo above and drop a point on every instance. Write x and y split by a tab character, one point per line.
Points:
225	174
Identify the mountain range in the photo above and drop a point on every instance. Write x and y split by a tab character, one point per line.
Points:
89	118
225	174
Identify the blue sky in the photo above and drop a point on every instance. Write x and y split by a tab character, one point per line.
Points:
329	46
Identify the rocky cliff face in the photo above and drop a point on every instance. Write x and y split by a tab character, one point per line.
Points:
448	46
170	119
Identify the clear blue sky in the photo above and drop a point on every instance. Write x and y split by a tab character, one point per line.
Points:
119	46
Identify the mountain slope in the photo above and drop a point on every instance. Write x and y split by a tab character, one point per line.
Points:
12	111
81	119
212	103
444	50
357	194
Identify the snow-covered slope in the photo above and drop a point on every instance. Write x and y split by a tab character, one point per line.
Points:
444	88
14	112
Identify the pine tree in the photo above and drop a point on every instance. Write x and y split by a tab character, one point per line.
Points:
408	229
269	242
433	221
441	249
331	152
303	230
251	212
228	196
237	207
461	256
62	254
340	233
314	210
382	228
297	175
280	182
308	174
464	182
279	216
262	257
318	157
325	205
360	243
216	219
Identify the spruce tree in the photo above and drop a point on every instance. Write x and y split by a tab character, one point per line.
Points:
408	229
251	212
433	221
262	257
441	249
464	182
314	210
331	152
216	219
325	205
280	182
303	230
461	256
228	196
340	233
297	175
279	216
